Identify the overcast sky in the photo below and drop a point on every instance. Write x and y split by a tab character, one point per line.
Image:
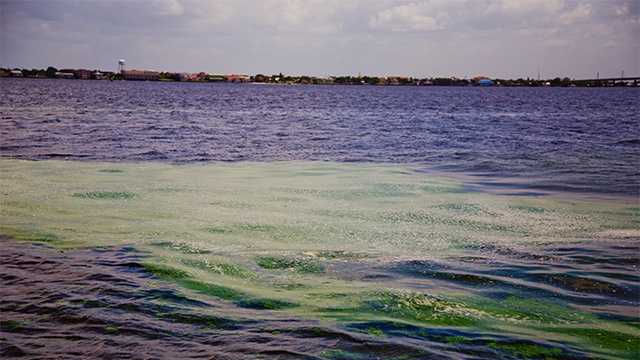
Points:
497	38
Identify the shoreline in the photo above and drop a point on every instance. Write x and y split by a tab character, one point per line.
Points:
466	85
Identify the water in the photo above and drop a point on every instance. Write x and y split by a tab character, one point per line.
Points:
188	220
567	139
69	302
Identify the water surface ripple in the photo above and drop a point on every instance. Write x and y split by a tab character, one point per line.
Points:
101	303
569	139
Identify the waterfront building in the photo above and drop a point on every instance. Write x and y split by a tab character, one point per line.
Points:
65	75
238	78
83	74
216	78
201	76
16	73
140	75
485	82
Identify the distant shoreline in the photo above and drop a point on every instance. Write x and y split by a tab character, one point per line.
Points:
573	84
282	79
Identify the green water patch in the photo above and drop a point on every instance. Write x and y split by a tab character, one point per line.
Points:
183	247
290	286
29	236
330	295
240	228
374	331
255	227
111	171
422	217
528	350
239	298
337	354
528	209
232	204
635	212
111	329
516	308
461	208
105	195
357	193
217	230
165	272
419	308
607	341
12	326
301	265
394	190
218	291
220	268
440	188
168	190
257	236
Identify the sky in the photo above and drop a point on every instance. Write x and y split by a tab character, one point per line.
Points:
463	38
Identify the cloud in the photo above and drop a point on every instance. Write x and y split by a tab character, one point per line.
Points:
579	13
529	6
414	37
168	7
407	17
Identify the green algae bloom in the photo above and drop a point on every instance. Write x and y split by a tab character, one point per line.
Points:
111	171
105	195
528	351
165	272
27	235
420	308
220	268
11	325
319	241
302	265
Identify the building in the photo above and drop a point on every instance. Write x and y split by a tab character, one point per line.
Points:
216	78
16	73
193	77
65	75
140	75
83	74
485	82
238	78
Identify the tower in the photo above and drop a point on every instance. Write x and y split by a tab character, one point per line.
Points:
120	66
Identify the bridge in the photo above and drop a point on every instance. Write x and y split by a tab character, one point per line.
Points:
619	81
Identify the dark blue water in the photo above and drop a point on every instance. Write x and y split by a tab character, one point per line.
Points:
568	139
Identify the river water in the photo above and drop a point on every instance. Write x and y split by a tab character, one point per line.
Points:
168	220
568	139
